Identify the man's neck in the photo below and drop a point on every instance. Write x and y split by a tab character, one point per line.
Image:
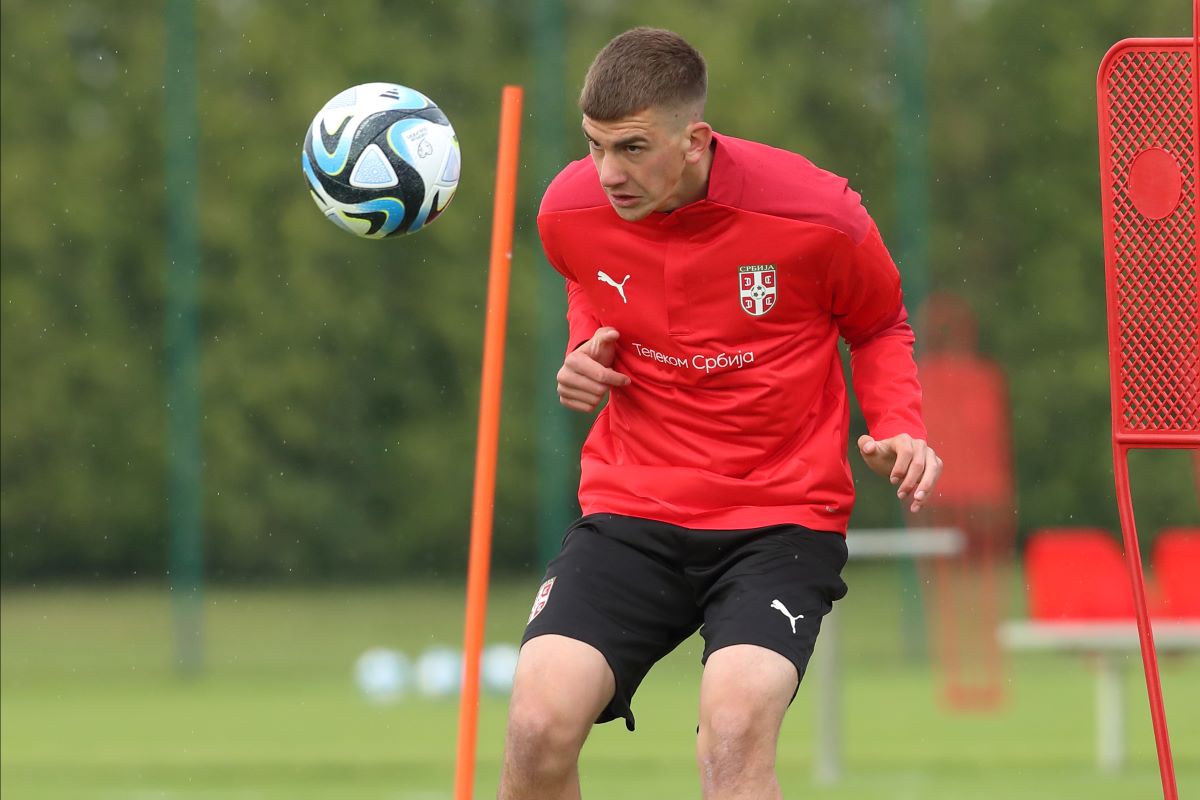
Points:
694	185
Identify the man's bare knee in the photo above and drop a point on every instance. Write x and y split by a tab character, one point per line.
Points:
542	741
739	723
560	687
734	748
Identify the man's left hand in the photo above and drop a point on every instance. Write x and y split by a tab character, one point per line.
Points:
908	463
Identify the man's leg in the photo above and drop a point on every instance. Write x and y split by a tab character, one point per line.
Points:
744	694
561	686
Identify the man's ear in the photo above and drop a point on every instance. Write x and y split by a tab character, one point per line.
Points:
699	140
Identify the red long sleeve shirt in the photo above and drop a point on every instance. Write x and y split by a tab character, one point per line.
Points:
729	311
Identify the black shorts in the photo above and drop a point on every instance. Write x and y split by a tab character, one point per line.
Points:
635	588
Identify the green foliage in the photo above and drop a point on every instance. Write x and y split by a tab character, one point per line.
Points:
1017	204
340	377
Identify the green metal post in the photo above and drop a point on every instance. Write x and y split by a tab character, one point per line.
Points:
912	162
912	251
182	348
556	446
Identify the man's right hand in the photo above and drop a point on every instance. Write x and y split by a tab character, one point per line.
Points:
586	376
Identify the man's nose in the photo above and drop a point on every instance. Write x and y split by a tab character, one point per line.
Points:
611	174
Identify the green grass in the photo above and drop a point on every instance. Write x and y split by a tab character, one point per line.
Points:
91	708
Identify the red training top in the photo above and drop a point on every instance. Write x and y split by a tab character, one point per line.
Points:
729	311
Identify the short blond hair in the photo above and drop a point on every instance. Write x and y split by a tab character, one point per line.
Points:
643	68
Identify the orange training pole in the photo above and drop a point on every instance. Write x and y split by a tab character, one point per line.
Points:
489	429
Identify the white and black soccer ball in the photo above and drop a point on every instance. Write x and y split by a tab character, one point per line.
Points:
381	160
382	674
498	667
439	672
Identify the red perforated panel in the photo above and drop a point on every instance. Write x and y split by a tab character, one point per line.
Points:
1148	165
1148	92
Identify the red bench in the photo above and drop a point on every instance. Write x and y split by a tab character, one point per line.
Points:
1080	600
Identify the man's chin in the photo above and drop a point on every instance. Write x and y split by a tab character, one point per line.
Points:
631	213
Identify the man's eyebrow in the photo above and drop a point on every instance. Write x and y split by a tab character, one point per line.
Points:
636	138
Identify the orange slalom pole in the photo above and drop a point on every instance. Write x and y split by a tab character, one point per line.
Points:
479	562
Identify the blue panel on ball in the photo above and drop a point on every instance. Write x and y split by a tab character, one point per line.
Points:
395	137
391	206
309	173
419	222
333	163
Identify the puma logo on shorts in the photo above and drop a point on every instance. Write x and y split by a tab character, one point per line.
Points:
781	608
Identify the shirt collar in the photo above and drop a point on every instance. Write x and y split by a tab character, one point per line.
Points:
724	180
724	177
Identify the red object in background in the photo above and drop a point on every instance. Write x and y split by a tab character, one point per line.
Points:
1076	575
966	409
1176	562
1148	93
963	602
965	405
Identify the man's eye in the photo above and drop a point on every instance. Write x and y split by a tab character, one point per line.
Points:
633	149
592	144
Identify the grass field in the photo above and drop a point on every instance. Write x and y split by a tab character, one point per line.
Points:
90	707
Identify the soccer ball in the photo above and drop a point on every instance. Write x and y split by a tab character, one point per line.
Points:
382	675
381	160
498	666
439	672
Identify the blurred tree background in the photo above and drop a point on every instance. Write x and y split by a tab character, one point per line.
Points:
340	377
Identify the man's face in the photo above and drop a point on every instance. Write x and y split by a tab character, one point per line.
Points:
640	160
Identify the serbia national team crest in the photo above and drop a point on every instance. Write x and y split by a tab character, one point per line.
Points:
757	288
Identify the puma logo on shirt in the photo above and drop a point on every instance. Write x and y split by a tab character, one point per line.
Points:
782	609
620	287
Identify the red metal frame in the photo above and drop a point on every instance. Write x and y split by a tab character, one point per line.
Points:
1154	377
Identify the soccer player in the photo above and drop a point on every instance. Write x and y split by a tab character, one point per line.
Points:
708	280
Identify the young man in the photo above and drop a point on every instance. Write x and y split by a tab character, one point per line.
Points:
708	280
